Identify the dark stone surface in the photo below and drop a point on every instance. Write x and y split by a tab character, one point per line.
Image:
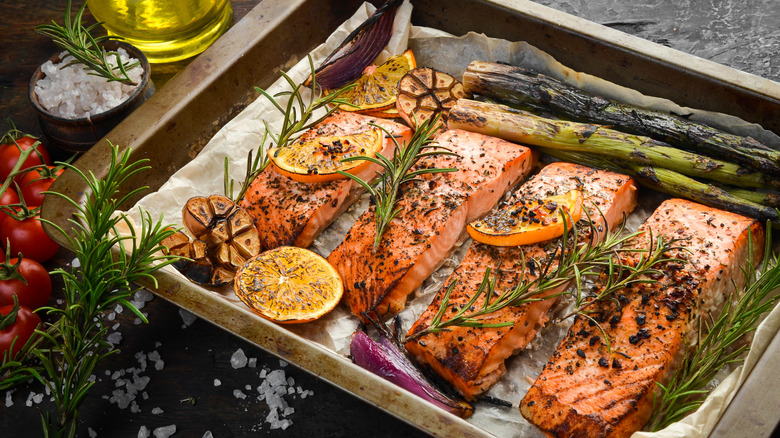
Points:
743	34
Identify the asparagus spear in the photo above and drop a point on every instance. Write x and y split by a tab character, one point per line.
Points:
765	197
521	126
515	85
674	184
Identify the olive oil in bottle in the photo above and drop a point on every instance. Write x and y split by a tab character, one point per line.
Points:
165	30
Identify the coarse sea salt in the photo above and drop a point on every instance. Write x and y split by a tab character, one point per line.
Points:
70	92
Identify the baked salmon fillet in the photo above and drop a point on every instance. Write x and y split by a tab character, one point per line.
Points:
287	212
434	211
585	390
472	359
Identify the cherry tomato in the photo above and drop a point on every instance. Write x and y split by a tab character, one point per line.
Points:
9	198
21	329
27	237
34	182
35	294
9	155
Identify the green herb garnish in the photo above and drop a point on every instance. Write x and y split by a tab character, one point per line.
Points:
85	49
386	189
570	260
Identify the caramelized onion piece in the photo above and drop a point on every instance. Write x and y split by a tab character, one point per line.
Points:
358	50
384	359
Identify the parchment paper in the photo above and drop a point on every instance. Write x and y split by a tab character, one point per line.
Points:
433	48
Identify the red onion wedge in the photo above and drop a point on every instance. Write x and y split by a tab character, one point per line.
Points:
384	359
358	50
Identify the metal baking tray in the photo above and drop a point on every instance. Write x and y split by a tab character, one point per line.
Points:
174	125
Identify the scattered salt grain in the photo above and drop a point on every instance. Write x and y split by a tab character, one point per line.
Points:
208	434
111	316
134	408
114	338
8	399
119	308
238	359
187	317
252	362
217	382
165	431
237	393
157	411
92	433
159	364
282	363
75	263
144	432
73	93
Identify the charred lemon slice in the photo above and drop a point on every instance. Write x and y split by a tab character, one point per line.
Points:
425	92
377	88
318	159
527	221
289	285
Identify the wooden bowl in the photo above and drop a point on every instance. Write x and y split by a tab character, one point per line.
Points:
78	135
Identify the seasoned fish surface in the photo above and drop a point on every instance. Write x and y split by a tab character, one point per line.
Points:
585	390
472	359
434	213
287	212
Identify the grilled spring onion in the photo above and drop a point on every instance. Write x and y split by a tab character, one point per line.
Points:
515	85
598	147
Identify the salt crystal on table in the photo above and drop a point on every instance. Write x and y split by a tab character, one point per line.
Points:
143	432
187	317
114	338
217	382
238	359
119	308
134	408
208	434
8	399
75	263
282	363
237	393
144	295
91	433
276	378
165	431
157	411
252	362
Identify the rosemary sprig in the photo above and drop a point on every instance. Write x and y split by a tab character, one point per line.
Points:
386	189
85	49
71	347
570	260
297	112
721	341
254	167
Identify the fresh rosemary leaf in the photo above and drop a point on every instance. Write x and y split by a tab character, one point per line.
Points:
70	348
84	48
398	171
572	258
721	341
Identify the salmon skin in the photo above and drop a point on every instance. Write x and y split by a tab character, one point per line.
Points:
287	212
472	359
434	212
587	391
